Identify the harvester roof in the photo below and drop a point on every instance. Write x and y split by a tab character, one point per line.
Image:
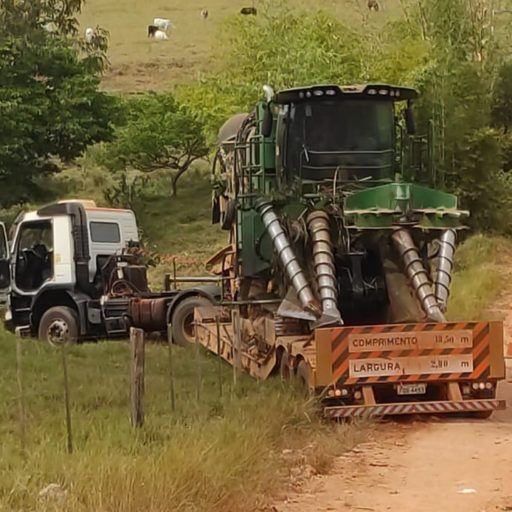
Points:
366	91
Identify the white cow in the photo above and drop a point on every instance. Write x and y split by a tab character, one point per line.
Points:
160	35
90	35
162	23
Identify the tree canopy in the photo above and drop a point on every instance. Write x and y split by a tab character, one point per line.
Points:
159	134
50	104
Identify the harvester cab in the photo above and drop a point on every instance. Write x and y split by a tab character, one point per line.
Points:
340	238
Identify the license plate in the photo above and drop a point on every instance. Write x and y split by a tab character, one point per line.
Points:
412	389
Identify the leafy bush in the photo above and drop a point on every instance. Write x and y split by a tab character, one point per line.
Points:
159	134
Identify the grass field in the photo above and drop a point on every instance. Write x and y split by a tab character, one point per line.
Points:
481	266
215	453
139	64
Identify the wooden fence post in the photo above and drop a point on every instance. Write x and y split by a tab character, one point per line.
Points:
21	396
198	364
217	322
137	376
172	389
67	405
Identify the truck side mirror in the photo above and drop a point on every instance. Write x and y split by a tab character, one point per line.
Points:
410	121
268	120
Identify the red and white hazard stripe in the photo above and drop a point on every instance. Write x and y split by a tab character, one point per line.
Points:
365	411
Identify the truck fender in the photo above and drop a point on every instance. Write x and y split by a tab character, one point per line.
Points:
59	296
211	292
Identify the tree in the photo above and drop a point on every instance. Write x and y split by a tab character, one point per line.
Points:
159	134
282	47
50	105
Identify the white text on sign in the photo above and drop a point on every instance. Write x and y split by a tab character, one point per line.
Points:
381	367
389	341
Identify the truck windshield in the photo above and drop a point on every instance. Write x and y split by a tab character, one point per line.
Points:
355	136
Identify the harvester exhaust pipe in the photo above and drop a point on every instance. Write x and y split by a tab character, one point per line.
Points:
443	280
323	258
417	274
288	259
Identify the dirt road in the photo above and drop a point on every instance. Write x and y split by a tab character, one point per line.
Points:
435	465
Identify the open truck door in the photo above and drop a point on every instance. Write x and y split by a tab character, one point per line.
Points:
5	267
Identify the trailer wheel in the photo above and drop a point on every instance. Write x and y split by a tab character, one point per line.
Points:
183	320
285	371
229	215
58	326
303	376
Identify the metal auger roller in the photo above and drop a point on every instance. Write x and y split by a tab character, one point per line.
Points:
443	280
287	258
325	271
417	274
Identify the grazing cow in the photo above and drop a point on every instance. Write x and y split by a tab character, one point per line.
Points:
90	35
162	23
373	5
248	11
204	14
160	35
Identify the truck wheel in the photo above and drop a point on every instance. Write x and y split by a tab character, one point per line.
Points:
58	325
183	320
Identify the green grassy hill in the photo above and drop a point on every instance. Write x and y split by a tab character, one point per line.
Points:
140	64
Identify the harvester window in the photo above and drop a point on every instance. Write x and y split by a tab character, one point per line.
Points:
105	232
356	136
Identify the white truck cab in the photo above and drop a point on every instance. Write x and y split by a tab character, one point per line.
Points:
57	258
71	272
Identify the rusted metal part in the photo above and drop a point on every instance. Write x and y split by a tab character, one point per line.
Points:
148	314
289	326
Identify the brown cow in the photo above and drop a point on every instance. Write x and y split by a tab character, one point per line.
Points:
373	5
152	30
248	11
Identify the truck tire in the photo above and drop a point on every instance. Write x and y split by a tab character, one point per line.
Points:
182	319
58	325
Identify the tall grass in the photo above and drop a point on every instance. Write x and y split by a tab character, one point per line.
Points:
479	276
221	453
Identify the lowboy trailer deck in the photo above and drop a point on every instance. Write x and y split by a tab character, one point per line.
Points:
380	370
